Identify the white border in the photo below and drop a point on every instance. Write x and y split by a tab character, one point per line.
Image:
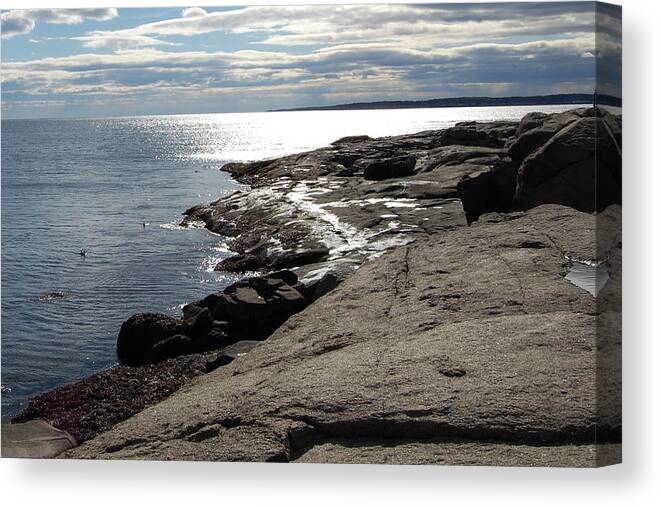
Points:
636	482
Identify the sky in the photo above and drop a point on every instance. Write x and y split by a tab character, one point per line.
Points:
132	61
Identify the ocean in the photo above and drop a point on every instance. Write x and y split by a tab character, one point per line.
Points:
116	188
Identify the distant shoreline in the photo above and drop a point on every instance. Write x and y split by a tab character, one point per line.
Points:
572	99
533	100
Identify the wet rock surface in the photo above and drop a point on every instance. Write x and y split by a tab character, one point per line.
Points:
362	196
406	293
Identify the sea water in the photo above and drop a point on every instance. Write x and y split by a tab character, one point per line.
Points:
116	188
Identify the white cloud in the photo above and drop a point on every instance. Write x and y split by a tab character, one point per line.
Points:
337	24
353	53
338	68
120	42
193	12
22	21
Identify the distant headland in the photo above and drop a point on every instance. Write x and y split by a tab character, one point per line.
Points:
533	100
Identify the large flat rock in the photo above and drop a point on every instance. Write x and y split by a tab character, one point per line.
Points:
455	452
471	338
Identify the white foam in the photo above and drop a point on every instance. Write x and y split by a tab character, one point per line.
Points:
401	203
176	226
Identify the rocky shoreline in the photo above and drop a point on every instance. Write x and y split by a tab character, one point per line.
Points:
406	293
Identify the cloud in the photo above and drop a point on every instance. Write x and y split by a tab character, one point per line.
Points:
337	68
23	21
193	12
96	40
305	55
310	25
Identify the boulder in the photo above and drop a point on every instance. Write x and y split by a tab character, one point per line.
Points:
244	303
394	167
474	191
529	141
580	166
529	122
251	308
241	263
456	154
502	184
476	134
284	275
535	129
201	323
174	346
141	332
297	257
191	310
258	298
216	338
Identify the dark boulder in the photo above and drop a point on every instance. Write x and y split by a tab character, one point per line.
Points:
222	325
258	298
286	276
529	122
529	141
477	134
141	332
286	300
346	160
580	167
191	310
177	345
214	339
242	262
474	191
210	301
393	167
297	257
201	323
502	184
251	308
536	129
455	154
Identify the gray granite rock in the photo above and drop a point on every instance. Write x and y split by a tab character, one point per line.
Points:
378	358
447	331
578	165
